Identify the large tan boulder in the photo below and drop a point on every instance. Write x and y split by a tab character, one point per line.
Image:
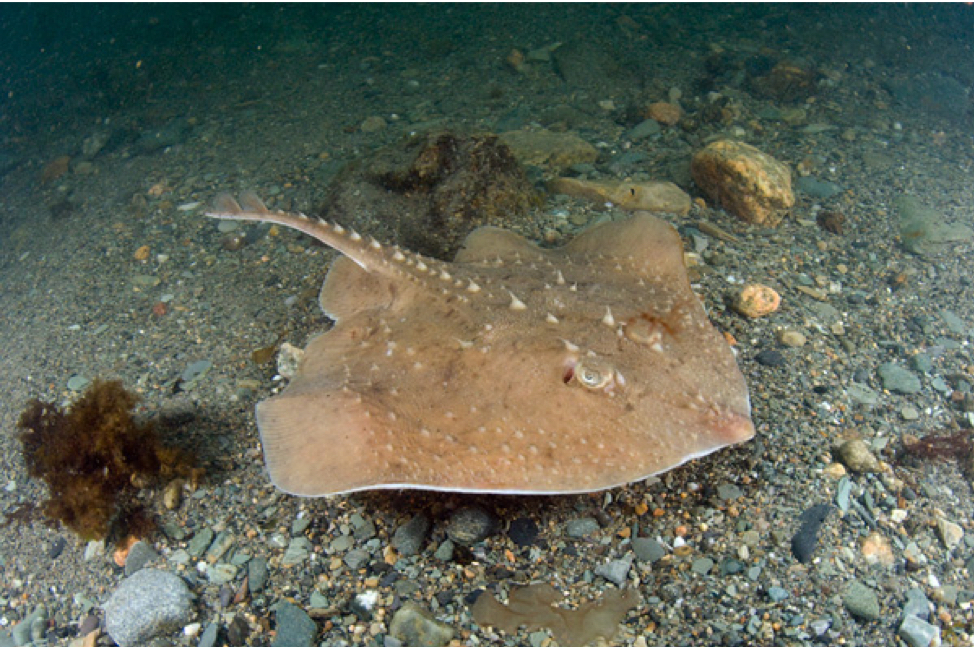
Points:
751	184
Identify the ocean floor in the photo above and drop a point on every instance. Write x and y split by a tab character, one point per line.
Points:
114	140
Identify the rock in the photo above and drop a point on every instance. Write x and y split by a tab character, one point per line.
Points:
256	574
919	633
791	338
876	549
950	533
729	492
756	300
544	147
701	565
616	571
210	635
917	604
414	626
804	542
409	537
587	64
297	552
936	94
819	189
200	542
647	128
578	528
373	124
751	184
139	555
647	550
147	604
655	197
470	525
668	114
523	531
777	594
294	627
925	231
862	394
770	357
861	601
856	455
172	134
35	623
54	169
897	379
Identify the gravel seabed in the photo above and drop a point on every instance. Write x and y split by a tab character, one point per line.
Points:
271	99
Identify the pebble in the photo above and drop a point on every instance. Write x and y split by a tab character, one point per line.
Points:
918	633
862	394
950	533
413	625
843	493
294	627
876	549
78	383
219	546
647	550
193	373
578	528
200	542
917	604
356	558
791	338
297	551
409	537
777	594
139	555
471	525
444	552
729	492
256	574
210	634
32	628
756	300
701	565
861	601
648	128
147	604
616	571
804	542
769	357
221	573
523	531
856	455
897	379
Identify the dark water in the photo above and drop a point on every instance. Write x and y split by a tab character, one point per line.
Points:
65	63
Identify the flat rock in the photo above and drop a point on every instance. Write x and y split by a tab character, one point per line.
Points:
897	379
547	148
295	628
861	601
745	181
647	549
147	604
654	197
924	230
